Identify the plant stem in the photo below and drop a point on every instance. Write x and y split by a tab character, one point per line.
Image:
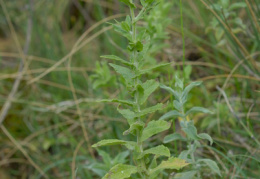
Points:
136	94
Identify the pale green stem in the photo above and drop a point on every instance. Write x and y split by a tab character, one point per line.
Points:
136	96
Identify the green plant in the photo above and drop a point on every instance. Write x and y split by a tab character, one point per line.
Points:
230	16
192	138
101	169
132	72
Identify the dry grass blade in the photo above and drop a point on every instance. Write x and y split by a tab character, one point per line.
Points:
78	47
23	151
245	51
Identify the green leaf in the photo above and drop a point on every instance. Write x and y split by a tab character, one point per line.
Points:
120	171
109	142
186	175
189	87
178	105
178	82
190	130
149	87
172	91
128	3
206	136
197	110
154	127
160	150
173	137
119	29
211	164
150	110
116	58
184	154
105	157
171	163
128	114
137	126
127	74
138	46
141	72
130	103
152	166
125	26
237	5
171	114
128	144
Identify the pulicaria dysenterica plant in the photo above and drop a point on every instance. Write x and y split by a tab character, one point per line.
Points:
134	110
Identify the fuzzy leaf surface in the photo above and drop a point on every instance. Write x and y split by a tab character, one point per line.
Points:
207	137
130	103
211	164
128	3
190	130
171	114
172	91
138	125
160	150
149	87
109	142
127	74
173	137
150	110
154	127
144	71
189	87
128	114
120	171
171	163
198	110
185	175
116	58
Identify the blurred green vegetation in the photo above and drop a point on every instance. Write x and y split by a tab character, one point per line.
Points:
43	130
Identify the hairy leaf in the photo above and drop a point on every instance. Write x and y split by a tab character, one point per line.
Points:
171	163
207	137
150	109
211	164
173	137
128	3
172	91
197	110
171	114
189	87
128	114
134	127
190	130
154	127
118	28
141	72
186	175
160	150
184	154
109	142
149	87
237	5
130	103
127	74
120	171
116	58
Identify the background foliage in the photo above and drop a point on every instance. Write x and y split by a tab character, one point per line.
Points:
54	119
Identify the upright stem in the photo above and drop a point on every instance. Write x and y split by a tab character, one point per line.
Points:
136	95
